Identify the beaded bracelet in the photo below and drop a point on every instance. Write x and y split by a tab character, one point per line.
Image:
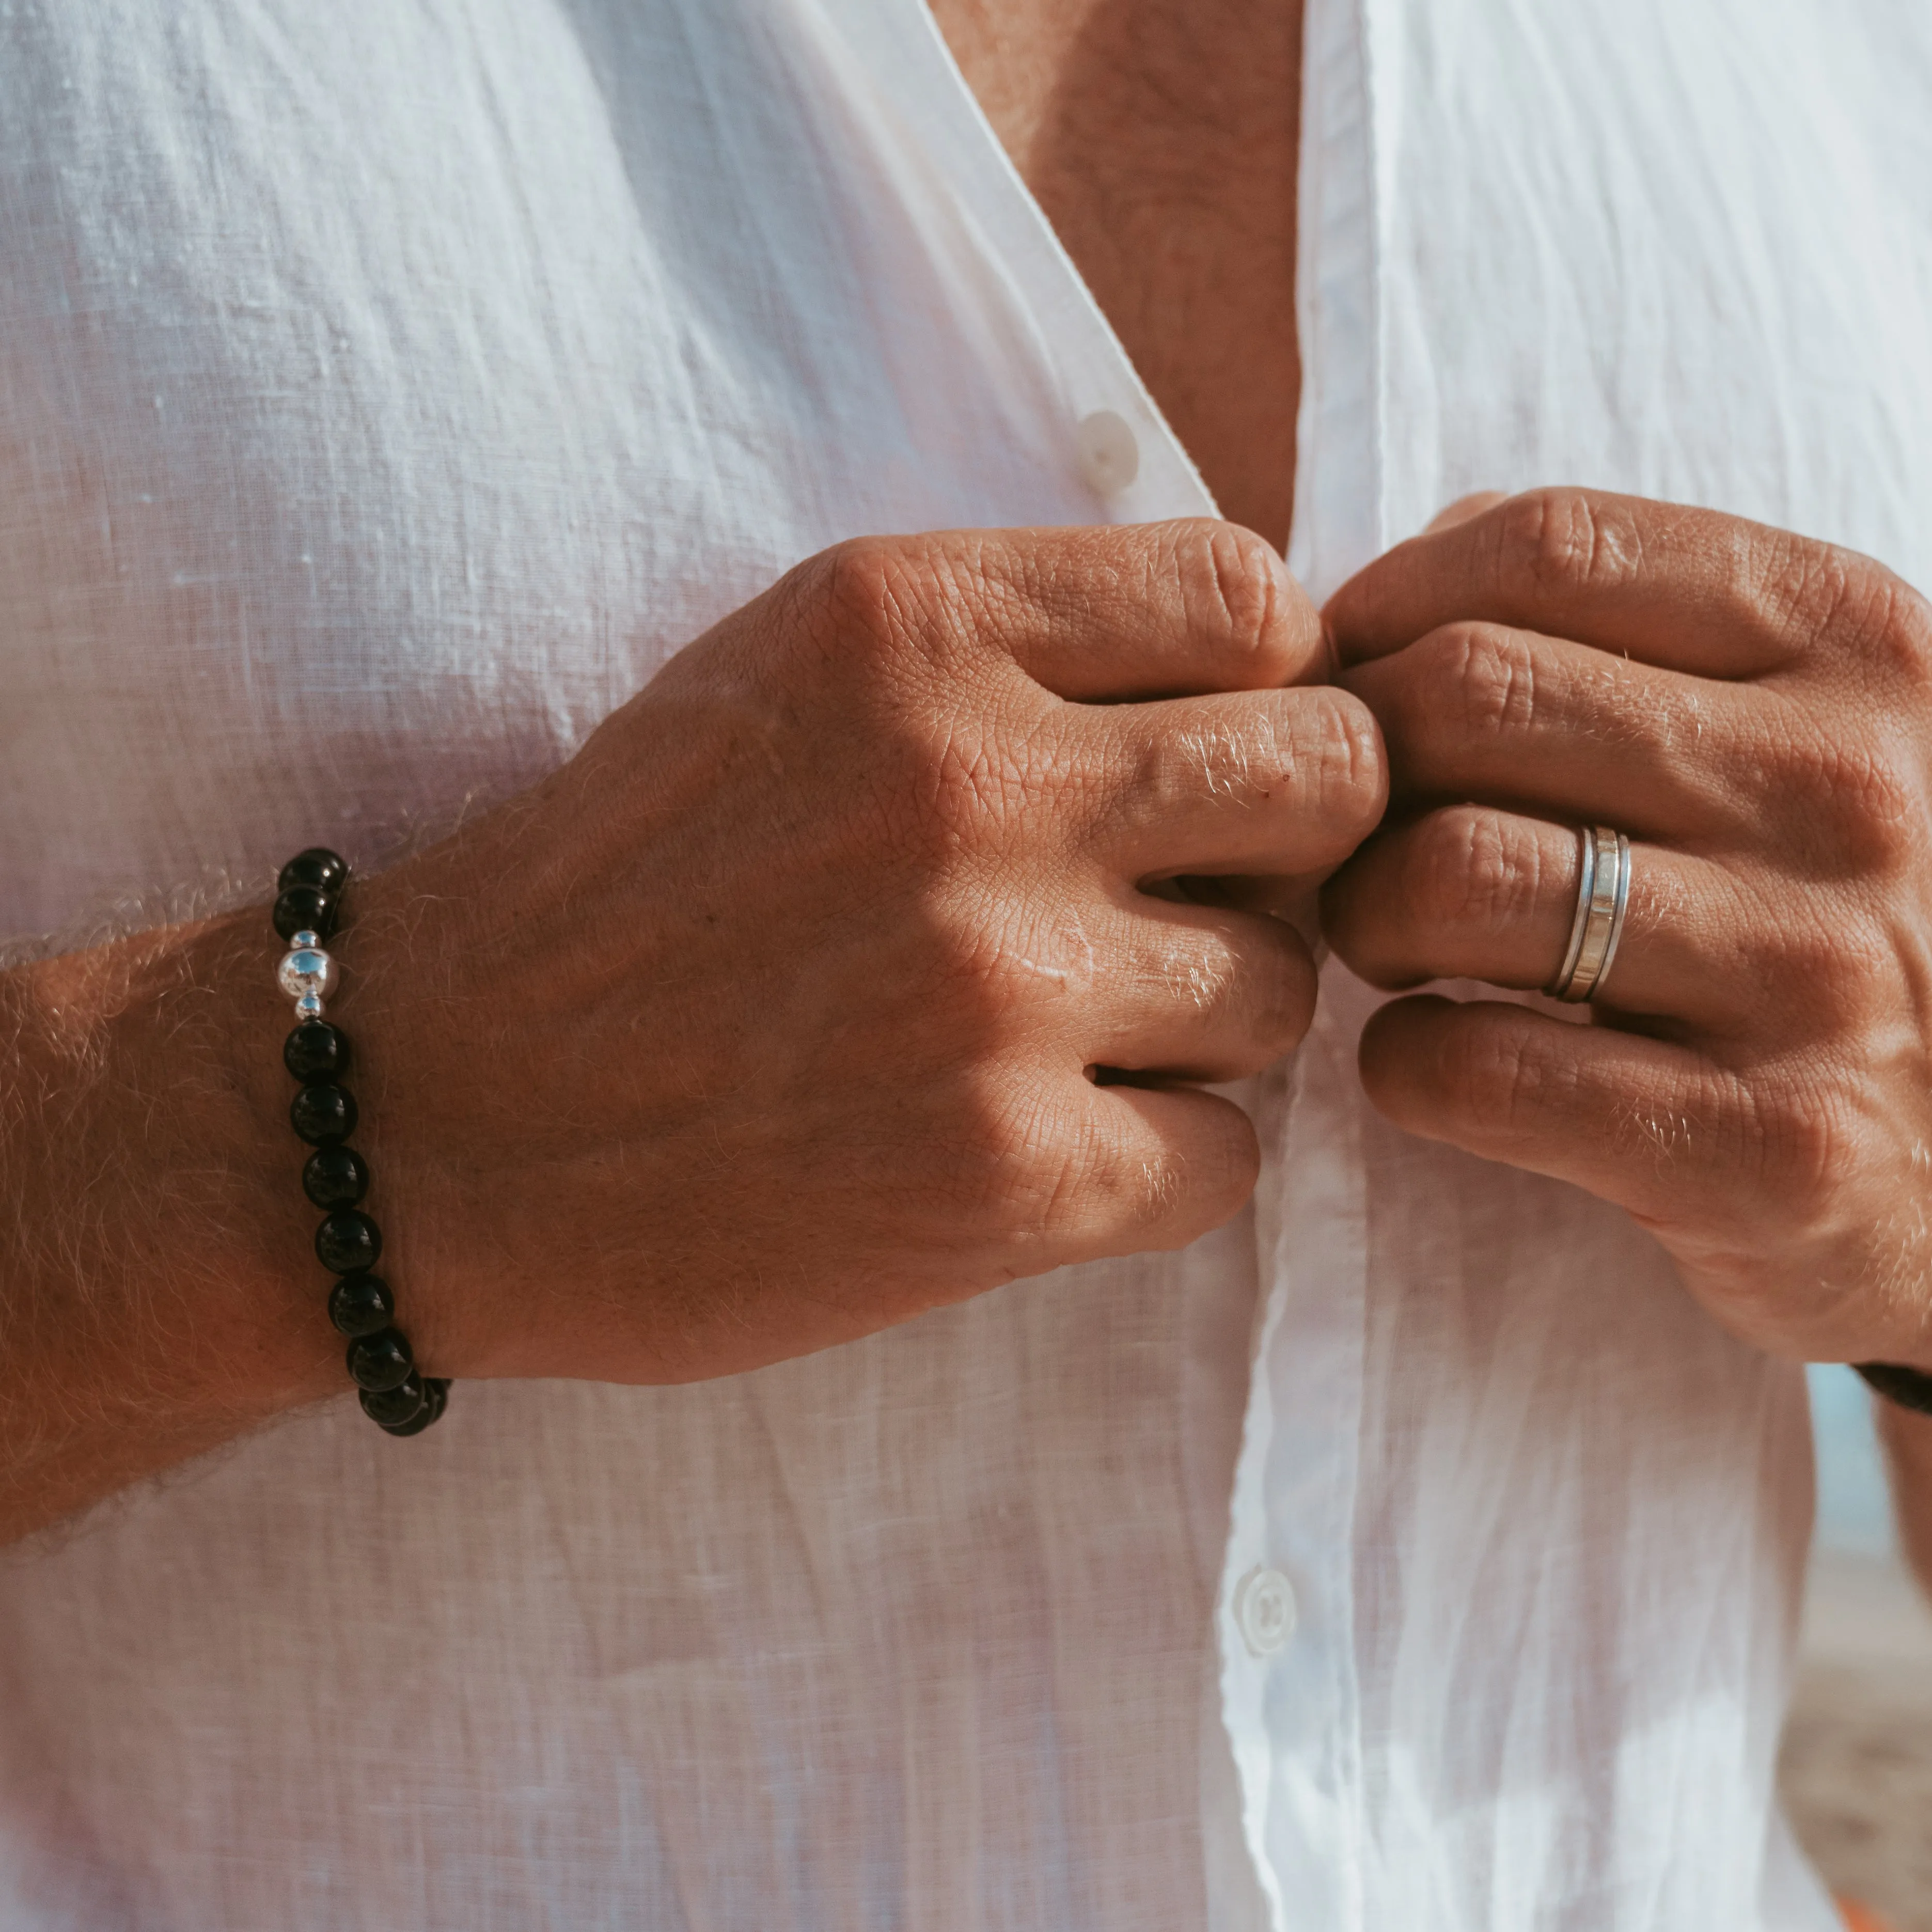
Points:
1909	1388
348	1244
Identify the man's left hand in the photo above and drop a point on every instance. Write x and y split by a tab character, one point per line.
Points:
1754	710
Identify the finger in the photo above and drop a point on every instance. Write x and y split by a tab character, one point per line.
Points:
1146	610
1198	994
1479	710
1157	1168
1688	589
1464	508
1283	781
1471	892
1640	1122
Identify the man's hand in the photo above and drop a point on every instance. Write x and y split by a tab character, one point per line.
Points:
823	986
1755	710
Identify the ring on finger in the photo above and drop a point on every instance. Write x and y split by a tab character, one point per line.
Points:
1596	930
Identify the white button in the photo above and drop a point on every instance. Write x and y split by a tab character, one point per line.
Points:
1110	459
1264	1609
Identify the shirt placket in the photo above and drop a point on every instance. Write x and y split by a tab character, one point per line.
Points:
1283	1619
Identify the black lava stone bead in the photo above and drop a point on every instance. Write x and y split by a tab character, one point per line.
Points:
335	1176
395	1408
316	1051
381	1361
322	1114
319	867
435	1398
304	909
348	1241
360	1304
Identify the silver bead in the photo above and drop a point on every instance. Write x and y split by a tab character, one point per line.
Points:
306	938
306	969
309	1006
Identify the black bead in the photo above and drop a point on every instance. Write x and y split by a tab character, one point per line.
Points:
335	1176
381	1361
348	1242
303	909
360	1304
316	1051
393	1408
322	1114
436	1399
318	867
1909	1388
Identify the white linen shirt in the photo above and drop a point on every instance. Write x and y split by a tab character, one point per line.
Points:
386	389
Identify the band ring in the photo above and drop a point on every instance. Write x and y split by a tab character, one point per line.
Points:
1603	897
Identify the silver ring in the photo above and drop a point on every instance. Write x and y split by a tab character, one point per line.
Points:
1602	898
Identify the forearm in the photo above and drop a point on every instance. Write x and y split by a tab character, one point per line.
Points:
155	1290
1908	1442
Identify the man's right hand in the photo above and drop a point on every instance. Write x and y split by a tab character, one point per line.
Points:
822	986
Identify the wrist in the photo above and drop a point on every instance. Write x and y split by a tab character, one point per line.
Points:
198	1023
153	1258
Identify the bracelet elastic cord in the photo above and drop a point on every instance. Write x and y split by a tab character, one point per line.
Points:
1909	1388
348	1244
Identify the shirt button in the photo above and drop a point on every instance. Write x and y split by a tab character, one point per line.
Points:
1110	458
1264	1609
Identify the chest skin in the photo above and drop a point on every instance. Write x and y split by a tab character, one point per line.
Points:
1160	138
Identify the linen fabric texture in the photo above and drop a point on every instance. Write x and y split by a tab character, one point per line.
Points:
386	390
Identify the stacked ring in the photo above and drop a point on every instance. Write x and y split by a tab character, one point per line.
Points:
1596	930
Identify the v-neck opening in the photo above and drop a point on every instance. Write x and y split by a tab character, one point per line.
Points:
1336	512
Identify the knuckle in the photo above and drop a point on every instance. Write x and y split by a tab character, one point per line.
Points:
858	585
1465	873
1065	1177
1069	1178
1319	750
1795	1127
1566	540
1228	760
1260	985
1881	806
1350	772
1238	758
896	594
1805	584
1854	797
1135	1186
1017	1168
1163	1194
1825	593
1887	622
1496	681
1480	678
1907	633
1236	596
